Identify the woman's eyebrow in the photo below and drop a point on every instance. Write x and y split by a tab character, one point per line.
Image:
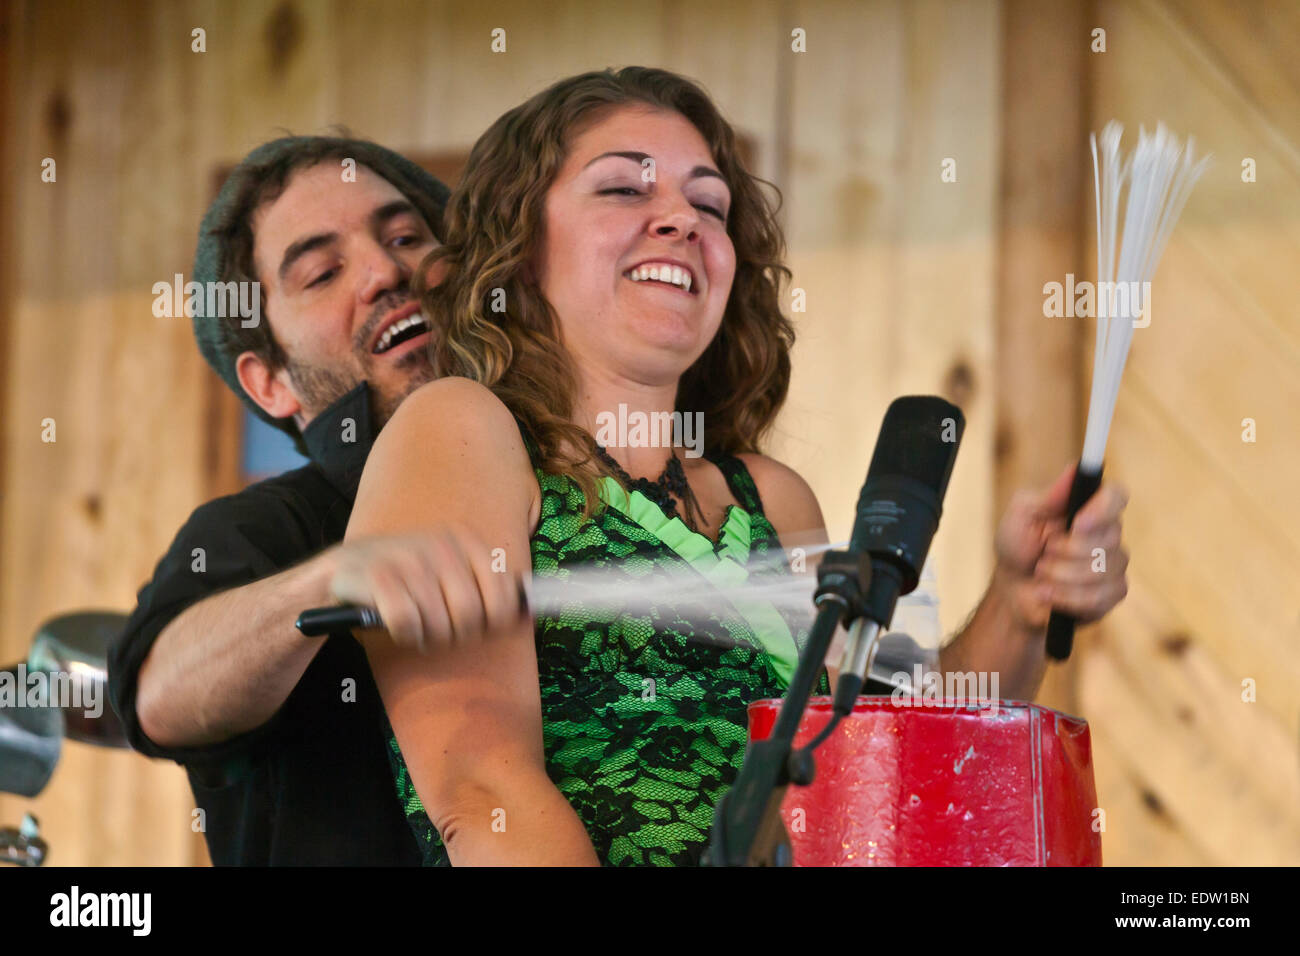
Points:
640	158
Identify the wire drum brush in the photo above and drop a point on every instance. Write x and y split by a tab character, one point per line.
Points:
1159	175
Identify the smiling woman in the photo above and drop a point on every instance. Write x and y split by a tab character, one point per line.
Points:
497	218
650	303
606	254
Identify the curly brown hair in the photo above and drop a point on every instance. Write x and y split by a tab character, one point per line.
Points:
494	223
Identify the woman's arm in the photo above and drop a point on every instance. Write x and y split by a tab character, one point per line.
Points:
1038	567
792	508
467	715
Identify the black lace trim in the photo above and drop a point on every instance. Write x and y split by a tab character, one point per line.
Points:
664	490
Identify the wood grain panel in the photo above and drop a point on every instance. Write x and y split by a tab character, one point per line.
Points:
1192	781
1166	657
897	265
1212	528
1139	831
88	515
1040	405
1253	46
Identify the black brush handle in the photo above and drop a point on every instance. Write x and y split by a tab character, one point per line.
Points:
1060	626
318	621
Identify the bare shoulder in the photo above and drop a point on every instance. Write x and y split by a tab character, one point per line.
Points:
453	421
788	500
456	436
456	407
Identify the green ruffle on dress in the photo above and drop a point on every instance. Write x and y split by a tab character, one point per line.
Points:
644	716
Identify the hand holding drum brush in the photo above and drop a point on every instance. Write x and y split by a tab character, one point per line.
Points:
1159	175
426	590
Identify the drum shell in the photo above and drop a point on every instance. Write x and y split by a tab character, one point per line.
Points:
993	783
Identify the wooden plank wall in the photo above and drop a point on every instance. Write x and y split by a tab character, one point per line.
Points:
912	284
1190	771
898	266
1040	233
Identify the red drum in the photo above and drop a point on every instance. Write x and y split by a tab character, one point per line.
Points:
993	783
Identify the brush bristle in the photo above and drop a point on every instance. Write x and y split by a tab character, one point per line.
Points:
1159	175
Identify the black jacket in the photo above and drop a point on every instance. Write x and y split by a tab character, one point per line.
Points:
313	785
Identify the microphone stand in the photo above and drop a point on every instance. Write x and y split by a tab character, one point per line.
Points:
747	827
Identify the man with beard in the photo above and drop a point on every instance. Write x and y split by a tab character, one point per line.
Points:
284	736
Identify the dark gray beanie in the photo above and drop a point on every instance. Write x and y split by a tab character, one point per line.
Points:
425	192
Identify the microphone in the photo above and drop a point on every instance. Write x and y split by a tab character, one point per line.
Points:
897	515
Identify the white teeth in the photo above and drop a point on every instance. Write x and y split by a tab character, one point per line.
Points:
674	275
396	327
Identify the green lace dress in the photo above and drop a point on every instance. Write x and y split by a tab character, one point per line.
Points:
644	714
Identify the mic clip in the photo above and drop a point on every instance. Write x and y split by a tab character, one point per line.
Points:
843	578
